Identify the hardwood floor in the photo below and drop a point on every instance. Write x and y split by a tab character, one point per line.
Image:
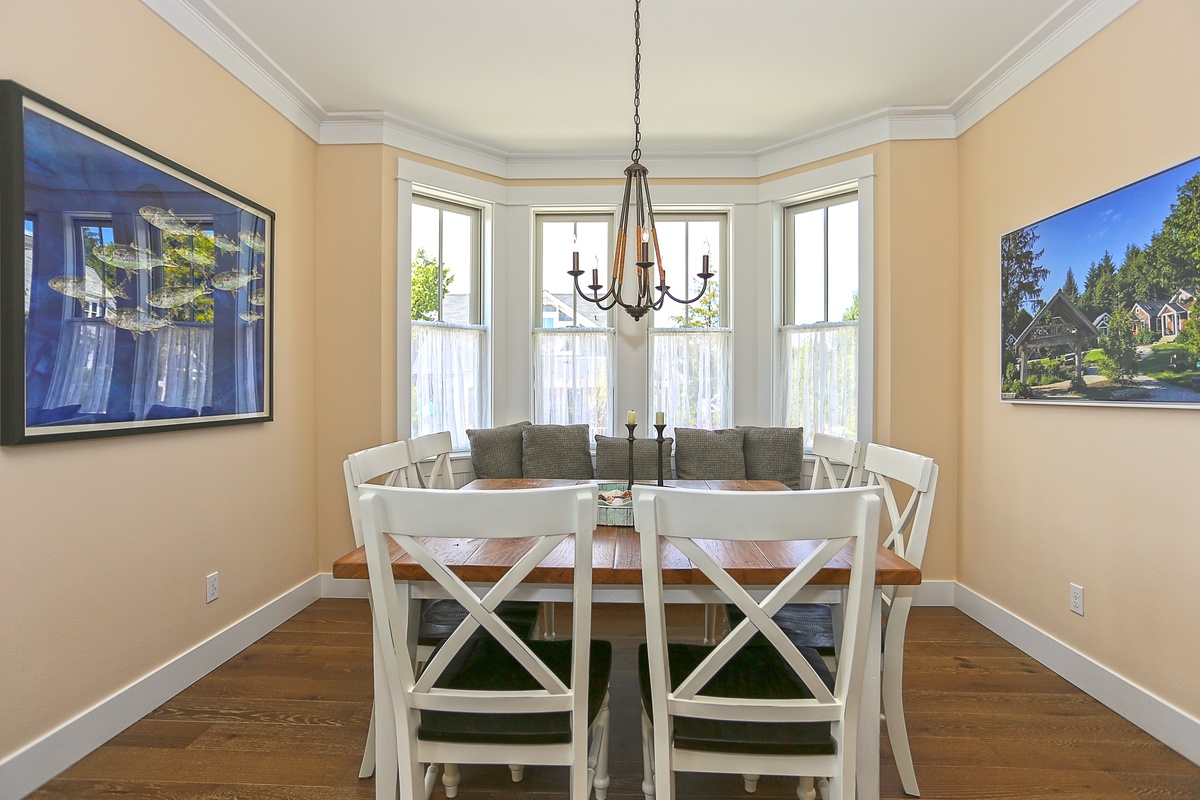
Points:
285	720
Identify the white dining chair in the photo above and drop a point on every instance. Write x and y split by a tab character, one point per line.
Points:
830	451
432	449
487	695
743	708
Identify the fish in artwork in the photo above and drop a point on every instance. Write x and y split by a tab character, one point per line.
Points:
253	241
226	244
259	296
167	221
251	316
135	320
128	257
86	290
200	259
175	296
232	280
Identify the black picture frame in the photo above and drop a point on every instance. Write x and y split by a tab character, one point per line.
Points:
136	295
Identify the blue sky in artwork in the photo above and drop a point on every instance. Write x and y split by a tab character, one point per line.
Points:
1078	237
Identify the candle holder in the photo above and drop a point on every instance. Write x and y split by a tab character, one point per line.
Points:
631	426
660	427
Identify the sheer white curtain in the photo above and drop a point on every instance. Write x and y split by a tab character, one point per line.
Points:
447	379
83	369
819	378
692	377
573	377
174	368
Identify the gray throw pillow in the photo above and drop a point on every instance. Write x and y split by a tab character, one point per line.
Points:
496	452
774	454
556	451
702	455
612	458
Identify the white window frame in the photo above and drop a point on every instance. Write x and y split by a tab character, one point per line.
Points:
480	316
855	174
574	215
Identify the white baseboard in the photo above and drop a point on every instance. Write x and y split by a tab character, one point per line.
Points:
1170	725
935	593
30	767
342	587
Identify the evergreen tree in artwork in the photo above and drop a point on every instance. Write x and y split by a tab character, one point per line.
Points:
1021	276
1070	289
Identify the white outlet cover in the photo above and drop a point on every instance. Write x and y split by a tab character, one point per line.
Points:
211	587
1077	599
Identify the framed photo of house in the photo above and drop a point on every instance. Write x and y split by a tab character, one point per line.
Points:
135	294
1096	302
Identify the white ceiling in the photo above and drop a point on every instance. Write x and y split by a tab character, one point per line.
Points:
555	77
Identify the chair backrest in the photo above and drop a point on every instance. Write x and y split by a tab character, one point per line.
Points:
388	461
887	468
415	519
436	446
816	525
826	450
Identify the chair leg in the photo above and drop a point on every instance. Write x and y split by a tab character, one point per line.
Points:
450	779
548	620
806	789
897	729
710	622
600	779
431	773
367	767
518	772
750	783
647	758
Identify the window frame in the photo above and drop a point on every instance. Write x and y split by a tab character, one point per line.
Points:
429	198
790	212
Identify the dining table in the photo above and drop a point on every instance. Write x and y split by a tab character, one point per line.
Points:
617	578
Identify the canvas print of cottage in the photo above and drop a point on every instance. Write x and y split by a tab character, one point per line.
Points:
1096	303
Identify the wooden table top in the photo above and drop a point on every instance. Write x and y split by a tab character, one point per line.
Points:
616	553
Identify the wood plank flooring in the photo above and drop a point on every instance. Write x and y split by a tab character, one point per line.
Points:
285	720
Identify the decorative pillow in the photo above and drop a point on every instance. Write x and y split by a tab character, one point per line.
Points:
556	451
612	458
496	452
774	454
702	455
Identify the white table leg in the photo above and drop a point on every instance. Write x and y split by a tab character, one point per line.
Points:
867	783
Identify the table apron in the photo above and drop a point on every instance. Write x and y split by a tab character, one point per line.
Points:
623	593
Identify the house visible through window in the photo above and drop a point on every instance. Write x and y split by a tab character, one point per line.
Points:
448	337
573	341
690	373
819	341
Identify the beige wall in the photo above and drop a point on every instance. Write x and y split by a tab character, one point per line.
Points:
106	543
1102	497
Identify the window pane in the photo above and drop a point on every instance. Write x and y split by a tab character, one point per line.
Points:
426	250
843	260
692	378
456	267
684	244
809	229
560	239
447	393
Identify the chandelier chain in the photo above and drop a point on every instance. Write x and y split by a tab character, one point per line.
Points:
636	155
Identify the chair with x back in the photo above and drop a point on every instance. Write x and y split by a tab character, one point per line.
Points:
390	464
488	695
433	448
738	707
830	450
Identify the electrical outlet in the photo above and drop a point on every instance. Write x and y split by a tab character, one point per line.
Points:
1077	599
212	590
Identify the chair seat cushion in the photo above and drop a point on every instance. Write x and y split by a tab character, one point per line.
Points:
612	458
806	624
755	673
556	451
483	664
439	618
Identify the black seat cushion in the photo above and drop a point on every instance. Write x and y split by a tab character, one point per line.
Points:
439	618
806	624
757	673
483	664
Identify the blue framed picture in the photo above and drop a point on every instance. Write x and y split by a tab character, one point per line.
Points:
1098	302
135	294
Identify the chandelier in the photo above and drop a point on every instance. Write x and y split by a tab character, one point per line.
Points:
651	279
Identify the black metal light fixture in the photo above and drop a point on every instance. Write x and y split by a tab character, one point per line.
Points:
652	288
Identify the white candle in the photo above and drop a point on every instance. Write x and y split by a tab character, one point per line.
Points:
660	418
631	419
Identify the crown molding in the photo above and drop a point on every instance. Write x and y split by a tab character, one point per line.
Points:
1075	22
224	42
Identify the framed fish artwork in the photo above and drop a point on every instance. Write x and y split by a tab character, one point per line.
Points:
135	294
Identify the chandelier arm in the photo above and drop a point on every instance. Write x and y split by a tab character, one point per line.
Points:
703	289
595	296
